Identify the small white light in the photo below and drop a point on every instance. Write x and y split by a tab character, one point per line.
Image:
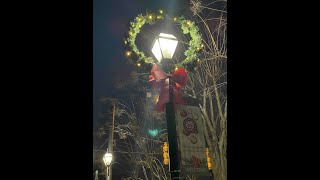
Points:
107	158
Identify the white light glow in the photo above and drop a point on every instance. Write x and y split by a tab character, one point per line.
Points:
156	50
107	158
165	43
167	35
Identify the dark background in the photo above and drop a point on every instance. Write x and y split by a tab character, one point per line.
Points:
48	74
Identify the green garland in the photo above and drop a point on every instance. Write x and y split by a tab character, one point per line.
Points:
187	26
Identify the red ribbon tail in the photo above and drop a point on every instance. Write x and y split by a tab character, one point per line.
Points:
163	99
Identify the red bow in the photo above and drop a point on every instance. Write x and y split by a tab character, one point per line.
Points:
159	80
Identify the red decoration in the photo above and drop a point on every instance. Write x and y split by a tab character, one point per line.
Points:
183	113
159	80
195	162
189	126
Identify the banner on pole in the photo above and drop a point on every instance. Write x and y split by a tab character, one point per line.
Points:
192	145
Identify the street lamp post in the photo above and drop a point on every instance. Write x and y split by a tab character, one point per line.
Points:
111	142
107	158
163	48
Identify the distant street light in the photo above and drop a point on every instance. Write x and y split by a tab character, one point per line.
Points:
107	159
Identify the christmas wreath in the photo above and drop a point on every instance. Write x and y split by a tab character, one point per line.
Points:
187	26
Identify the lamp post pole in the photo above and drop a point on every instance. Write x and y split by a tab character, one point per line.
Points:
172	135
163	48
108	173
96	177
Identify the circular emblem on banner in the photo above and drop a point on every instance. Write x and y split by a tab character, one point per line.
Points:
183	113
189	126
193	139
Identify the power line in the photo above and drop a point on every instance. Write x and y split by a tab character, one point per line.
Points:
124	152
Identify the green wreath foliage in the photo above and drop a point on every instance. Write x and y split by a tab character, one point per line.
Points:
187	27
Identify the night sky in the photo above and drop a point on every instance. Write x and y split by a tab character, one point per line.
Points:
110	25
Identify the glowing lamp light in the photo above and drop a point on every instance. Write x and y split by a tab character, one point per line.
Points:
164	46
107	158
139	64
